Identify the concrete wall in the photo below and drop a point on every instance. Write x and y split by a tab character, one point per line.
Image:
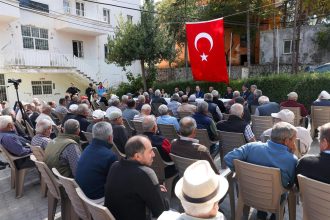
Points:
309	53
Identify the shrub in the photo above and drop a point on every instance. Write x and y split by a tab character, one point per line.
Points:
276	87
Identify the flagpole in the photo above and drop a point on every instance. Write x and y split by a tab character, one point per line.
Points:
230	45
278	52
185	44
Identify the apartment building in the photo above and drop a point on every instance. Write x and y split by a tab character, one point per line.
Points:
52	43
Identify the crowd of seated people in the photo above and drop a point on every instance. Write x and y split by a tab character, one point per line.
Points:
130	181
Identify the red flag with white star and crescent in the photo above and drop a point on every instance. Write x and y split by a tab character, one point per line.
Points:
207	50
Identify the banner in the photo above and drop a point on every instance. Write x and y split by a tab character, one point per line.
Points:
207	50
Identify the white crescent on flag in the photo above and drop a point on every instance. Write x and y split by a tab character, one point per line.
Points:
203	35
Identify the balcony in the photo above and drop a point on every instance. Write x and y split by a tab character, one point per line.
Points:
44	61
9	11
78	21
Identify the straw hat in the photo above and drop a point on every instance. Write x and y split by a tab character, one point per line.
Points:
200	184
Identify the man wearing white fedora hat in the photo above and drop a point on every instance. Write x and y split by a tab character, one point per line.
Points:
199	190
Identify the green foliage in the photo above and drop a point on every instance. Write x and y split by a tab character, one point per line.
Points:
276	87
323	38
147	41
133	85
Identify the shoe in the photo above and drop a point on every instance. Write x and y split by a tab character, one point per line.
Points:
261	215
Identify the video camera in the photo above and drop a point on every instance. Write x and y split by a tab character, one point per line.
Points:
15	81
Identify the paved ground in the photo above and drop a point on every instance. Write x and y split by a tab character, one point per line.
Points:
34	207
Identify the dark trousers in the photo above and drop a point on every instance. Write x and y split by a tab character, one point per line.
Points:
24	163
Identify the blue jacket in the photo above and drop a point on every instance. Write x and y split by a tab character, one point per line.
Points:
93	166
268	154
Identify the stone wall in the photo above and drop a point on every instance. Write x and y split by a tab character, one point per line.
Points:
165	75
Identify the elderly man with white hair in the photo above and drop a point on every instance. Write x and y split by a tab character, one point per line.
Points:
217	101
45	114
235	123
292	102
199	191
174	104
166	119
157	98
141	100
145	111
266	108
302	133
13	143
43	131
323	99
95	161
277	153
120	135
114	104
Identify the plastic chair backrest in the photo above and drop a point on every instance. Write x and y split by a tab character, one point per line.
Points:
260	124
203	137
130	130
184	114
231	140
38	152
320	115
116	151
315	198
88	136
70	186
259	186
97	211
158	165
48	177
137	126
168	131
181	163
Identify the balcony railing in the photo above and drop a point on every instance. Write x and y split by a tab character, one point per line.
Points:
39	59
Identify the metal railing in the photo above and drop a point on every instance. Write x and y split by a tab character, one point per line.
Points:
35	58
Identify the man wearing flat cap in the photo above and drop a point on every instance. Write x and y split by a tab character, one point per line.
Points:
199	191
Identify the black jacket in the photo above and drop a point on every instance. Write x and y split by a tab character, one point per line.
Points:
130	189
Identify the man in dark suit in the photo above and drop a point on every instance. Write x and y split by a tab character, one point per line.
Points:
317	166
188	146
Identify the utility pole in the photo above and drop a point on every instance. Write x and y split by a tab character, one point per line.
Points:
248	39
296	36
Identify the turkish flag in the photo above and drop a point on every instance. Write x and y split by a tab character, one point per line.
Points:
207	50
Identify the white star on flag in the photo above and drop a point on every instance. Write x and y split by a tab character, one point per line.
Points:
204	57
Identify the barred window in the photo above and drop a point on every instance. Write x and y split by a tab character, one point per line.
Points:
3	93
41	87
34	38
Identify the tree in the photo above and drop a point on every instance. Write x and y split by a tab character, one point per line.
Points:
147	41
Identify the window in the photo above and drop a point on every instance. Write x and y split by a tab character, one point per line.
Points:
41	87
80	9
287	47
66	6
78	49
34	38
243	41
3	94
106	51
130	18
106	15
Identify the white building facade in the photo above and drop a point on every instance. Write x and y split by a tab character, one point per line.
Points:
50	44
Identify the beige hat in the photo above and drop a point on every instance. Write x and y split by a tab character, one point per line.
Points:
73	107
114	115
324	95
200	184
98	114
285	115
293	95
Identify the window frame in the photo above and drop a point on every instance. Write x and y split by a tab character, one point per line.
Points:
81	10
80	49
106	15
284	51
42	87
36	36
130	18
